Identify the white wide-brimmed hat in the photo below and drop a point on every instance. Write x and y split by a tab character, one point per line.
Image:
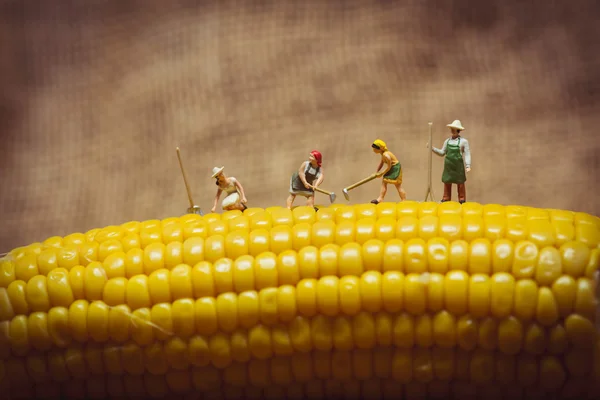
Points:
456	125
217	171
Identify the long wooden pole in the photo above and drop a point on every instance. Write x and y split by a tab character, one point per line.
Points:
429	193
187	186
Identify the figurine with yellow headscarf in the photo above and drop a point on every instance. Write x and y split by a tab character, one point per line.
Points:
391	172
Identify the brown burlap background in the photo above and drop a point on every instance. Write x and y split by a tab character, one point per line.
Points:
96	94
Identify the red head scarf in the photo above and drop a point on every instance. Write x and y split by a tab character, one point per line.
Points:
317	156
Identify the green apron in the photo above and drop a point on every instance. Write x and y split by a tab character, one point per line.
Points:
393	173
454	167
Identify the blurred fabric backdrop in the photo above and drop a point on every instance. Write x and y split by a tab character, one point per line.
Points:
95	96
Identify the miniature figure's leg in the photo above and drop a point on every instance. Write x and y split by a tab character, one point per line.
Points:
310	201
290	201
382	192
462	192
447	192
401	191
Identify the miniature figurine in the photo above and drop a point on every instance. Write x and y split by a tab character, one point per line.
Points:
308	177
392	173
458	156
235	197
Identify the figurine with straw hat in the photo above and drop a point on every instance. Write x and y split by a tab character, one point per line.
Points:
458	156
235	197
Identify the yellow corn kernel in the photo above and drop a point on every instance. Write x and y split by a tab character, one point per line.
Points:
118	323
67	256
459	256
307	297
345	232
227	311
547	312
479	294
6	308
258	242
591	270
88	252
525	259
37	329
407	228
456	292
60	292
585	299
525	299
480	257
95	278
444	329
108	247
181	285
98	321
328	259
162	321
26	267
424	331
46	260
131	241
495	227
114	265
473	227
78	320
385	229
467	330
435	292
416	294
37	294
415	256
17	297
502	294
77	282
114	292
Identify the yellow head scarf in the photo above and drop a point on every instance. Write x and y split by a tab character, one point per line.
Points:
381	144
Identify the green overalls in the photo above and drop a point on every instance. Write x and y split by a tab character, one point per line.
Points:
454	166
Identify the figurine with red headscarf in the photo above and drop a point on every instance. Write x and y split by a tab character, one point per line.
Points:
306	178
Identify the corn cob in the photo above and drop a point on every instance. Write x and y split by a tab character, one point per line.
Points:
420	290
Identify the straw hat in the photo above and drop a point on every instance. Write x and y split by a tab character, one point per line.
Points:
456	125
216	171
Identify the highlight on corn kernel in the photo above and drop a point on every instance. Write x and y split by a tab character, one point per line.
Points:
413	299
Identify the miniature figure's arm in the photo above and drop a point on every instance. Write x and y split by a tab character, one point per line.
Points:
302	176
219	191
320	178
379	166
240	188
466	153
442	151
388	165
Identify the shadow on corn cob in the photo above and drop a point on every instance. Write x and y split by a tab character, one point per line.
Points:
413	300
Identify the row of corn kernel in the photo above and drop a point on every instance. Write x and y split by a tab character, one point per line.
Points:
237	243
541	232
404	365
306	214
523	259
337	212
283	237
480	367
499	295
272	319
182	386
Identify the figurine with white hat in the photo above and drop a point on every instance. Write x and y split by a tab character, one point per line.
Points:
457	162
235	198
